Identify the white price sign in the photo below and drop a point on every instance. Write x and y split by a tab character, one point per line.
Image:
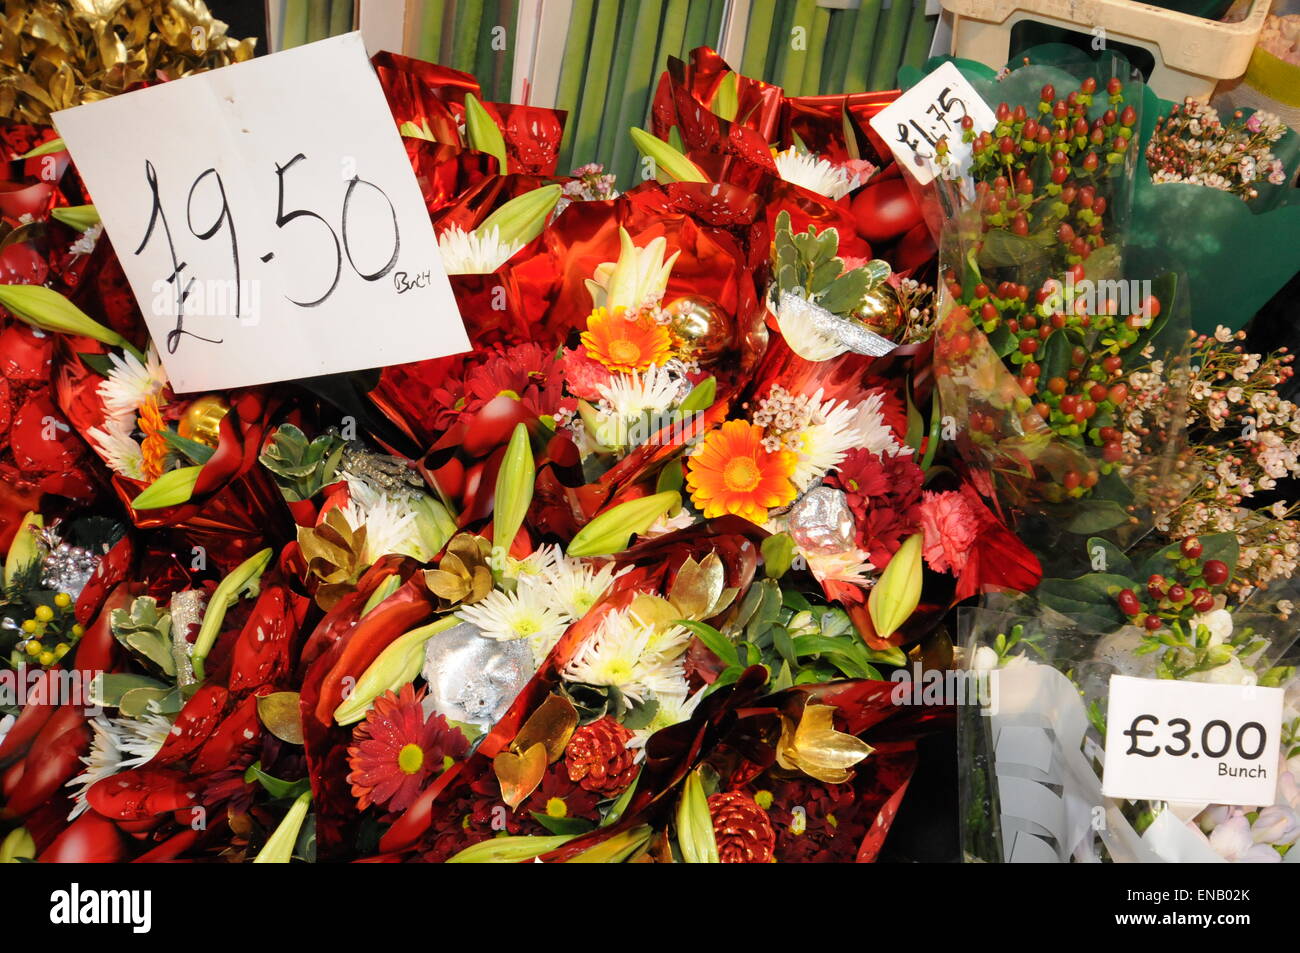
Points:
268	220
1192	742
933	109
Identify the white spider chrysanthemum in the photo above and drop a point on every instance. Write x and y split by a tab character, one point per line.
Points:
618	655
672	709
631	395
816	175
536	564
131	382
479	252
120	450
138	739
575	585
526	613
837	429
390	528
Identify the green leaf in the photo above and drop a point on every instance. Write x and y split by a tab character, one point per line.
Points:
1096	516
1114	559
571	826
778	554
714	641
274	786
701	396
113	685
509	849
1086	599
199	453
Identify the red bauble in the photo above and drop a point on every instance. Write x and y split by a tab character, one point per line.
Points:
885	210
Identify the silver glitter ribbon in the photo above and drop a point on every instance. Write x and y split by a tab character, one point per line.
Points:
473	679
850	334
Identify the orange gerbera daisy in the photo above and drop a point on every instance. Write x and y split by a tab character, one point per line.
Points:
624	342
732	472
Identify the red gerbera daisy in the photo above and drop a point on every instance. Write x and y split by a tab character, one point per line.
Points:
396	749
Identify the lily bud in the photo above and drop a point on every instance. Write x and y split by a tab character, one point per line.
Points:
897	594
483	133
171	489
617	849
47	310
667	159
395	666
514	490
433	523
639	275
522	219
25	549
279	846
17	845
242	580
80	217
695	824
611	531
509	849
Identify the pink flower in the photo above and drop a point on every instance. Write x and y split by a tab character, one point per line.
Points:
950	525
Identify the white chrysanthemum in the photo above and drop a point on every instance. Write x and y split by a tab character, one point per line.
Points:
131	382
120	450
526	613
574	584
117	744
390	528
536	564
816	175
479	252
673	708
850	566
631	395
837	429
618	655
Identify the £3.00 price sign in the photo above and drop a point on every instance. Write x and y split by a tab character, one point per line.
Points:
268	220
1192	742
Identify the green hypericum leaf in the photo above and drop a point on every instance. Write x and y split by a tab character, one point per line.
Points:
199	453
514	490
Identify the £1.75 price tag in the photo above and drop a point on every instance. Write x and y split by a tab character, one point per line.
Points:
268	219
1192	742
933	109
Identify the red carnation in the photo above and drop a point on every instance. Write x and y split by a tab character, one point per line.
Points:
884	493
598	758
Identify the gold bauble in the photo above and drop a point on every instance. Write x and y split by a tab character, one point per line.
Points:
879	310
202	420
701	324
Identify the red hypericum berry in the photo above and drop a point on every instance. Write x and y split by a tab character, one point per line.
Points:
1079	355
1086	195
1029	345
1028	385
1071	479
1090	478
1117	394
987	311
1128	602
1114	86
1087	410
1057	386
1097	392
1090	162
1099	208
1065	234
1018	114
1108	434
1152	623
1077	273
1043	410
1080	127
1108	117
1060	174
1089	85
1156	587
1191	548
1128	116
967	122
1080	247
1215	572
1112	452
1058	320
1069	404
1177	593
1069	194
1029	322
1048	93
1060	110
1020	225
1151	306
1202	600
1003	112
1006	145
1113	364
981	290
1032	369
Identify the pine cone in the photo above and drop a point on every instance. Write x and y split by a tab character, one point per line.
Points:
598	759
741	828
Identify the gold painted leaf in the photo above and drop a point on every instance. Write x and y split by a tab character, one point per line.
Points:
698	587
551	725
281	714
519	775
816	748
